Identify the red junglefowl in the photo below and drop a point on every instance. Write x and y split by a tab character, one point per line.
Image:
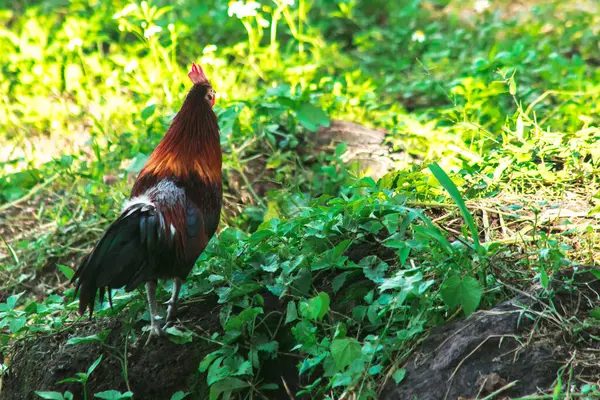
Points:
172	213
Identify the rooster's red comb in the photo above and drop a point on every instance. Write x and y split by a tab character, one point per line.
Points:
197	75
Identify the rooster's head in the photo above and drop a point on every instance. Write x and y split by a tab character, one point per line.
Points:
198	78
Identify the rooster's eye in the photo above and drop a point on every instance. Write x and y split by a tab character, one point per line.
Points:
210	97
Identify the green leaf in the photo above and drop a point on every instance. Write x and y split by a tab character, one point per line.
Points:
339	280
391	223
341	380
544	278
217	372
373	313
99	337
373	268
273	210
67	272
281	90
13	254
329	367
137	163
179	395
359	313
148	111
340	149
375	369
69	380
269	347
311	117
595	313
245	368
17	324
394	243
447	183
340	248
226	385
292	312
178	337
345	351
520	127
271	263
315	308
556	394
12	300
434	233
208	359
113	395
464	292
310	363
94	365
512	87
50	395
399	375
236	322
260	236
403	255
595	273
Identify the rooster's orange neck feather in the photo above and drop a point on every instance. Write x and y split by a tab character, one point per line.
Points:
191	147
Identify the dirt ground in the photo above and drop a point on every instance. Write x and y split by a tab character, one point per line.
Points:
154	371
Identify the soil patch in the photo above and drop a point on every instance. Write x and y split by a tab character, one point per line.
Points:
154	371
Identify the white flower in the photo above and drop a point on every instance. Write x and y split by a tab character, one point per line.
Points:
126	10
418	36
241	9
211	48
131	66
152	30
112	79
75	42
263	22
481	5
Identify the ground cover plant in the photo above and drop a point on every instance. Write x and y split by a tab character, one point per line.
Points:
493	104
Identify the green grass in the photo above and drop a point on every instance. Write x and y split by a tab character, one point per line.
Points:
502	104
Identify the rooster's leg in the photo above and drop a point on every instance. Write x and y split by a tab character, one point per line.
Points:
172	303
155	328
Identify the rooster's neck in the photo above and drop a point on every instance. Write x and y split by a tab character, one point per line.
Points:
191	147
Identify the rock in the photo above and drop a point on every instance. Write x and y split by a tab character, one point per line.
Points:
348	132
365	146
503	350
476	356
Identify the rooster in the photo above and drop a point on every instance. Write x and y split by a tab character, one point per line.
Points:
172	213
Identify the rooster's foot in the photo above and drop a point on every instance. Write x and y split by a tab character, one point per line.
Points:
155	330
171	311
172	303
